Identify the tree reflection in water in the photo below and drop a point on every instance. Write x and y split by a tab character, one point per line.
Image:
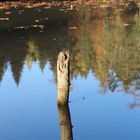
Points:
105	42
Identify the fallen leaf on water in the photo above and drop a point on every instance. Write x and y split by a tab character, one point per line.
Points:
73	28
38	26
36	20
2	19
127	24
7	13
21	27
41	31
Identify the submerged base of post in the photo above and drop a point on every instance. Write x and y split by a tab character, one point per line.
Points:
63	77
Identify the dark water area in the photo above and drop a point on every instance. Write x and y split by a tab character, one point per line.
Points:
104	98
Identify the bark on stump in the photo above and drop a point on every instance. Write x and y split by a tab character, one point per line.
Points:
63	77
65	123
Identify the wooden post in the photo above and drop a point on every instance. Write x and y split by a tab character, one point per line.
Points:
63	77
65	123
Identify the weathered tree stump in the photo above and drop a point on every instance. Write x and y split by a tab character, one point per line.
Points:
65	122
63	77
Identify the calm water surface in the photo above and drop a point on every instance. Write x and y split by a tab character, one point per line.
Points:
105	76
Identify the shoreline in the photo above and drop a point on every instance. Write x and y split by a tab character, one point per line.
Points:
64	4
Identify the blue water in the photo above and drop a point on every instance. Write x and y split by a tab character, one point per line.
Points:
104	97
29	111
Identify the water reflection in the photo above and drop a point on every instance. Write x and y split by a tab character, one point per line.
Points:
136	103
105	41
65	122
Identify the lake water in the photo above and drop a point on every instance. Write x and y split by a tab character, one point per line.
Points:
104	101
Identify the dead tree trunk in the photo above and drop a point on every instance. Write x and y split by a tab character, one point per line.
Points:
65	122
63	77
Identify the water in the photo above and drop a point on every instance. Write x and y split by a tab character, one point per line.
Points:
105	65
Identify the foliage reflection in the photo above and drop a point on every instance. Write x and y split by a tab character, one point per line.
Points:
105	41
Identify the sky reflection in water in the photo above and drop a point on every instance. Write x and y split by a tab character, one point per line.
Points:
29	111
104	97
